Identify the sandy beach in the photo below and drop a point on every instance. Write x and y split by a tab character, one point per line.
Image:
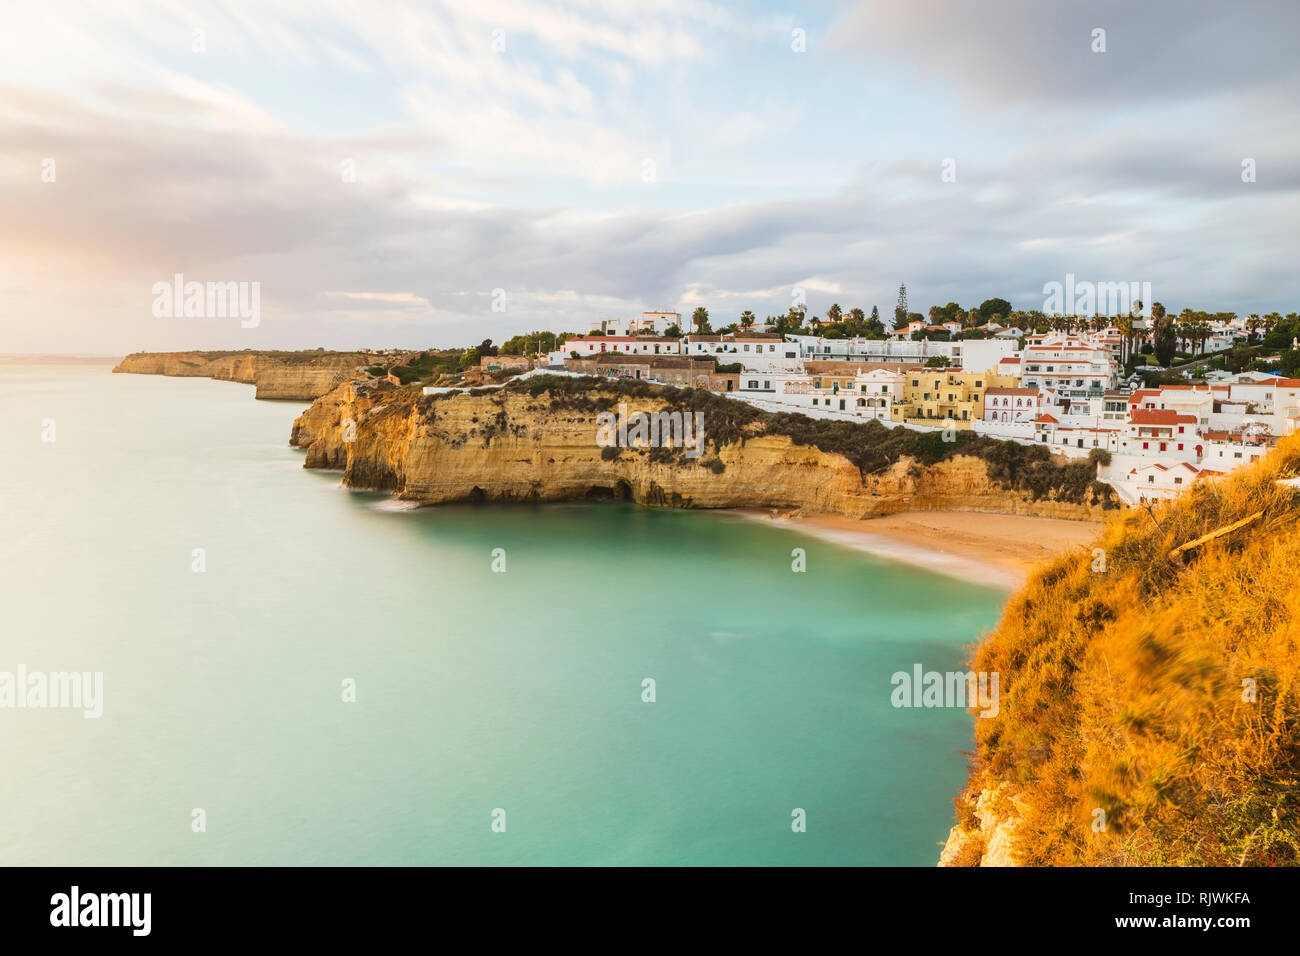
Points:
993	549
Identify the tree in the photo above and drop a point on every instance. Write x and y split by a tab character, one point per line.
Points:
833	313
673	331
952	312
1166	336
486	348
994	309
1238	358
747	319
530	344
937	361
1125	325
900	310
700	319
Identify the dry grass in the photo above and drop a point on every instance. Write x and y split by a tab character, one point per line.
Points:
1122	689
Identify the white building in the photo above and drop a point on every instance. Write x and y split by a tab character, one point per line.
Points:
1076	367
753	350
656	322
975	354
1158	480
1012	404
623	344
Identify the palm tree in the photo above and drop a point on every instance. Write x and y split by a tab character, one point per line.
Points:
747	319
1253	322
1125	325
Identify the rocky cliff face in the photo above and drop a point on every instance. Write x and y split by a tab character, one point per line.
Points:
283	375
510	446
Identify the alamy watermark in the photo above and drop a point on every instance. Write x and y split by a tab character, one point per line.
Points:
57	690
651	430
960	689
76	908
208	300
1089	298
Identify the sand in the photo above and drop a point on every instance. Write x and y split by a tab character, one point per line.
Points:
993	549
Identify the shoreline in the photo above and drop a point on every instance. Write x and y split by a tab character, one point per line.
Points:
995	550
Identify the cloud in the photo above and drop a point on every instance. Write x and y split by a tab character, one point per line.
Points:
524	170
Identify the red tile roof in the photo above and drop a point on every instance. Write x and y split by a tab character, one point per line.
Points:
1158	416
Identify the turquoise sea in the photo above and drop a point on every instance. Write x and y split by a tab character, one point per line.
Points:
476	690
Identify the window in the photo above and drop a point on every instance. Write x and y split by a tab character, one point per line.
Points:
841	404
1180	446
1151	479
978	383
1146	444
1178	481
753	383
746	348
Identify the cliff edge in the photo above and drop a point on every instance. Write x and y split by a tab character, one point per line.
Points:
300	376
537	440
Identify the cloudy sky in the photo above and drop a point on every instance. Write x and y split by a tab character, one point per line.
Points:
380	169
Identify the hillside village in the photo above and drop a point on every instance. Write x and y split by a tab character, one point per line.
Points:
1151	432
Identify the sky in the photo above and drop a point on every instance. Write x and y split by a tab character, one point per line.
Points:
415	175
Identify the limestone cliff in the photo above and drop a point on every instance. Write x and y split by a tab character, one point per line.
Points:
510	445
301	376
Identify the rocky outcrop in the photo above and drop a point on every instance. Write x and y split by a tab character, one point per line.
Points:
300	376
986	835
508	445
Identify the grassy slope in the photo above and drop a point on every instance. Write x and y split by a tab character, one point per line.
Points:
1122	688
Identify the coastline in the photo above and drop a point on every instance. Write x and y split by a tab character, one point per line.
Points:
995	550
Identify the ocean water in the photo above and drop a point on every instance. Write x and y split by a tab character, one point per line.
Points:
477	691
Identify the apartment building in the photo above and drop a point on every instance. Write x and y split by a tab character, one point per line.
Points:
934	396
1076	367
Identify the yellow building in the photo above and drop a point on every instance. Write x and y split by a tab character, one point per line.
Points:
939	396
